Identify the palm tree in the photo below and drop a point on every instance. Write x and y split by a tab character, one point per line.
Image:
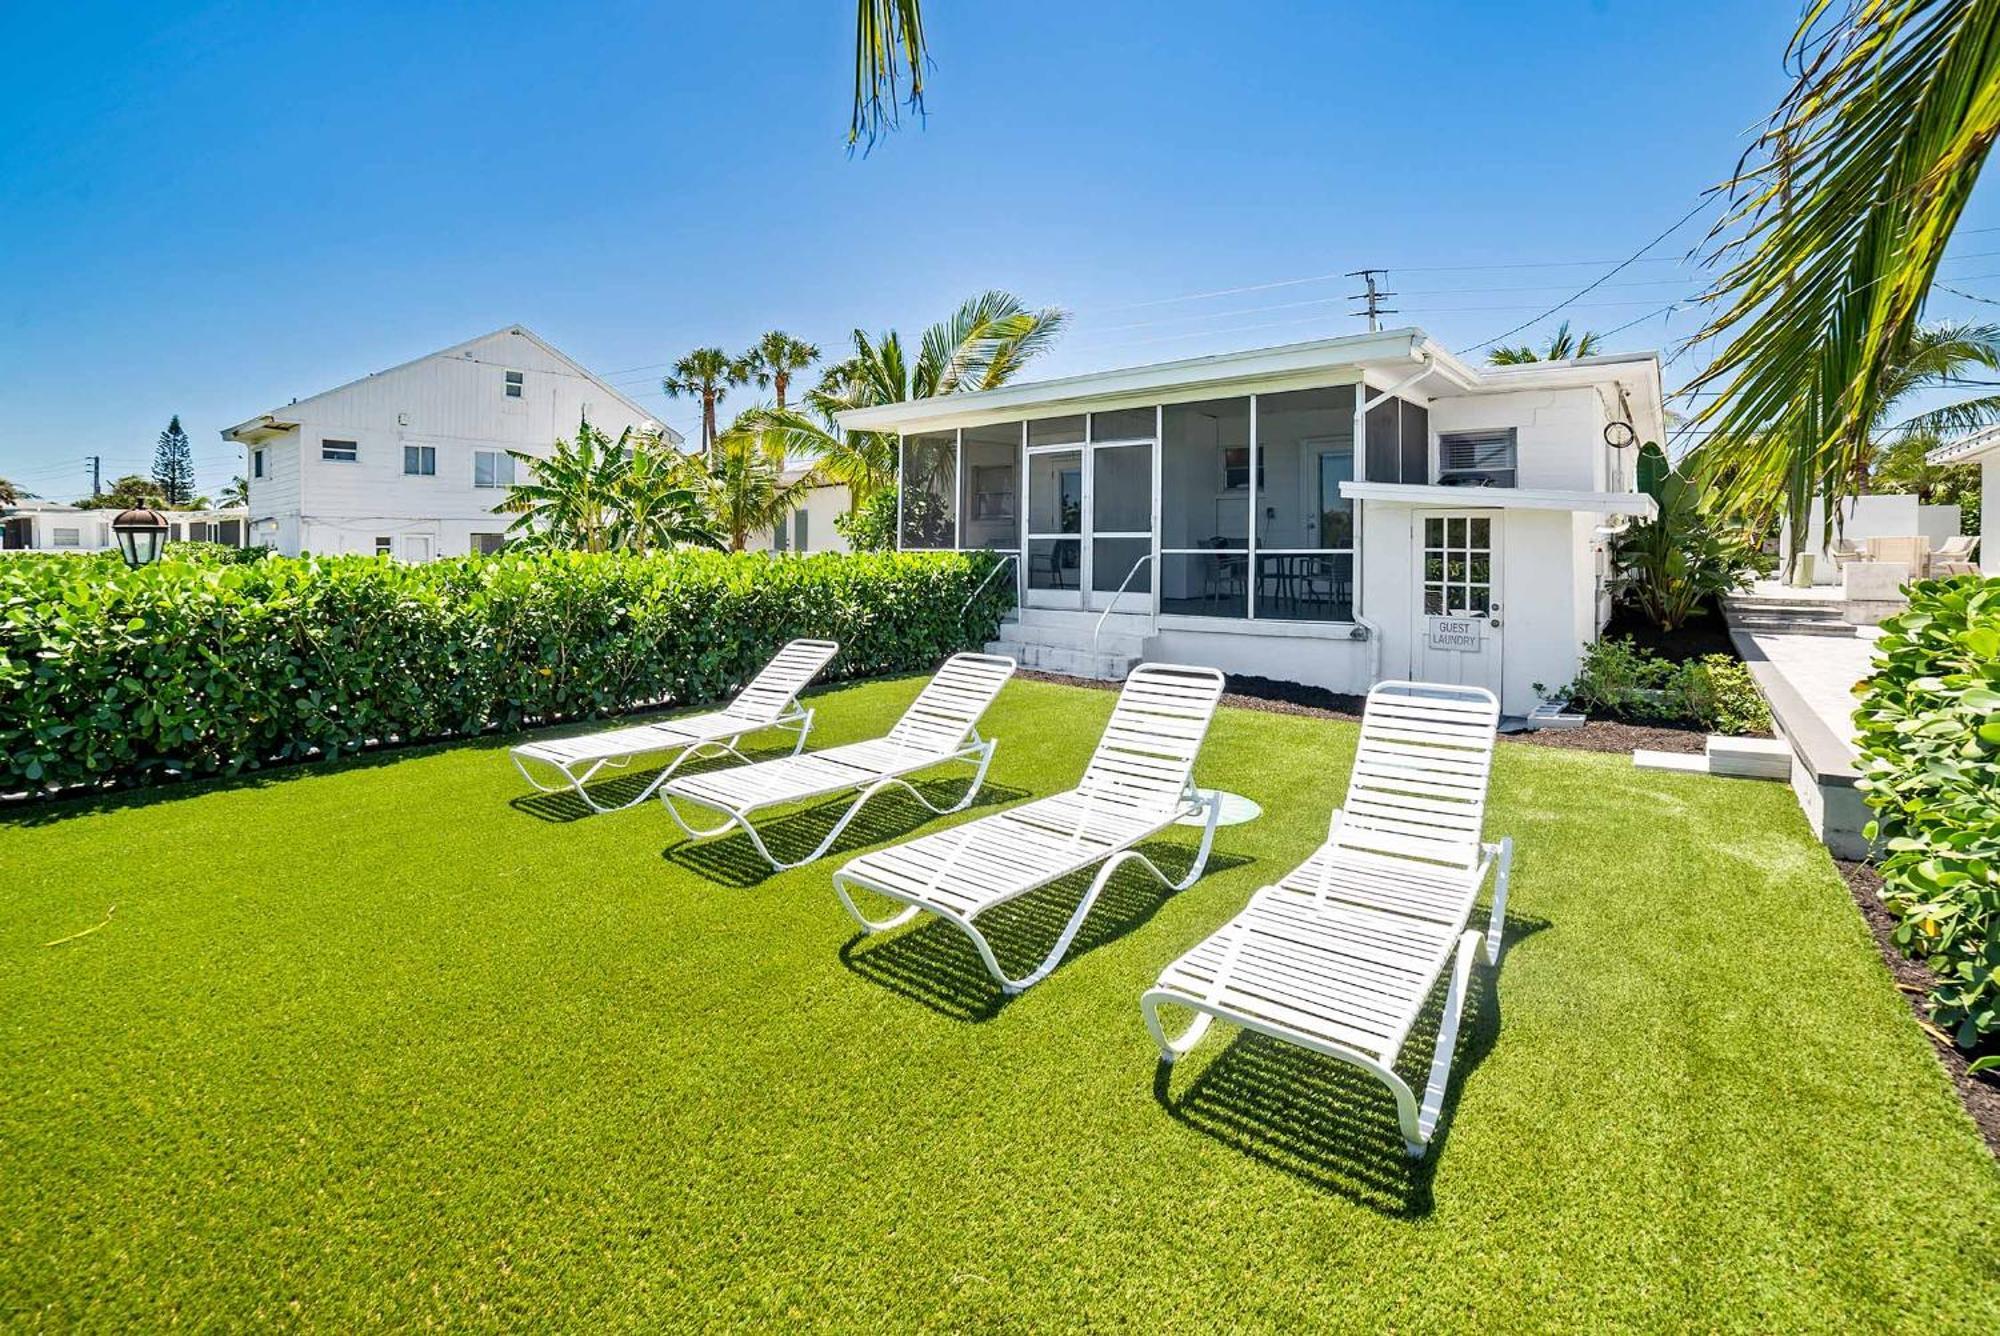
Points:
1838	216
706	373
980	346
237	493
888	47
775	359
570	499
744	484
11	492
1561	347
657	500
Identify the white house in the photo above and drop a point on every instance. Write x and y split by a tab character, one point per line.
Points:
1981	448
810	527
411	461
50	526
1332	513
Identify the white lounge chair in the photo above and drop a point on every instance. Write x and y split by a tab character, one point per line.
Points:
1139	782
941	725
1341	956
769	701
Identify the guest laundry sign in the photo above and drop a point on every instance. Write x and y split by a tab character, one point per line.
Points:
1461	633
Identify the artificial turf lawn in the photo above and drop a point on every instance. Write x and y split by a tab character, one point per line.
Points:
381	1042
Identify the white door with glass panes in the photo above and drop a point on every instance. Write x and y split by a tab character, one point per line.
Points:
1055	549
1458	617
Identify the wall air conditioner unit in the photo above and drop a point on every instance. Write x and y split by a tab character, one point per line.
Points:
1477	458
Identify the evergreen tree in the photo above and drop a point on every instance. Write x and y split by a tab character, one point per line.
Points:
173	464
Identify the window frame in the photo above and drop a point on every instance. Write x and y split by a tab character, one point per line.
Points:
257	462
333	450
1512	468
514	384
513	472
422	454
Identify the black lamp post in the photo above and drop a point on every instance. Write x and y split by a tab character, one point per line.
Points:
140	534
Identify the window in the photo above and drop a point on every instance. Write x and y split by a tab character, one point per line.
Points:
383	547
340	452
513	384
1458	566
256	463
420	461
66	538
1204	520
487	544
798	531
1303	559
1236	468
1476	458
929	491
989	505
492	468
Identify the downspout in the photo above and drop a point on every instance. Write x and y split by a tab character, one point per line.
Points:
1371	631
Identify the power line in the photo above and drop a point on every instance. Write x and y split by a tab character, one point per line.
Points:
1632	259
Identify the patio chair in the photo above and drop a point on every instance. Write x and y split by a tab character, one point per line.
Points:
768	701
1341	955
941	725
1139	782
1954	556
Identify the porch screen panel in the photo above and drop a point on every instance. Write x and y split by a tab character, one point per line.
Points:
989	514
929	491
1305	534
1416	442
1205	485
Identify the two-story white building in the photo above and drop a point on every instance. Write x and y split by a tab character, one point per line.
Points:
1333	513
410	461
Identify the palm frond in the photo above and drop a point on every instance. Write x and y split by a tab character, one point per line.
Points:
888	48
1838	217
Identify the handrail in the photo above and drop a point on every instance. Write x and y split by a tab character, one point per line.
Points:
1114	600
980	588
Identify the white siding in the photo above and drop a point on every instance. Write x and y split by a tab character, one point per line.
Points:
1559	434
454	402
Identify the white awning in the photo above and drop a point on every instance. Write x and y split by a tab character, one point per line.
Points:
1501	498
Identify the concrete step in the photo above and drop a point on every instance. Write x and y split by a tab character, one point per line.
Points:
1118	623
1080	638
1068	662
1750	758
1805	608
1788	626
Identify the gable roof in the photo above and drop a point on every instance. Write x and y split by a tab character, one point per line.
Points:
277	416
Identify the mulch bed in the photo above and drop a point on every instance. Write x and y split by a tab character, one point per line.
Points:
1980	1094
1274	697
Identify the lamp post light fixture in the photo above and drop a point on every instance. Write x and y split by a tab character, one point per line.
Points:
141	532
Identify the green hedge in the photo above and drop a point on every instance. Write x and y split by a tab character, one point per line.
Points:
1930	736
211	666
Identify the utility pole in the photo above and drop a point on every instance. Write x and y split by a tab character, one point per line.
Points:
96	463
1373	297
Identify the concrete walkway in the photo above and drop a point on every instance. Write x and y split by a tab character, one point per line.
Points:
1824	671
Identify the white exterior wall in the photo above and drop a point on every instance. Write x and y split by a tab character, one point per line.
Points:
455	402
823	505
1559	435
1989	515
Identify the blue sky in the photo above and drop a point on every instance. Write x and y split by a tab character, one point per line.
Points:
208	209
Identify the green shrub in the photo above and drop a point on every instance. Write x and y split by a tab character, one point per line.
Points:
1930	739
1620	680
116	676
870	526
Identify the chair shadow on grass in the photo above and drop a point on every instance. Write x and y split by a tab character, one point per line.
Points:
618	787
936	965
890	815
1330	1125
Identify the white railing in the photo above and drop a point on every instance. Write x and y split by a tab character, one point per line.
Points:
1122	585
980	588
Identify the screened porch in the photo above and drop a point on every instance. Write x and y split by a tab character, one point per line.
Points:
1226	509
